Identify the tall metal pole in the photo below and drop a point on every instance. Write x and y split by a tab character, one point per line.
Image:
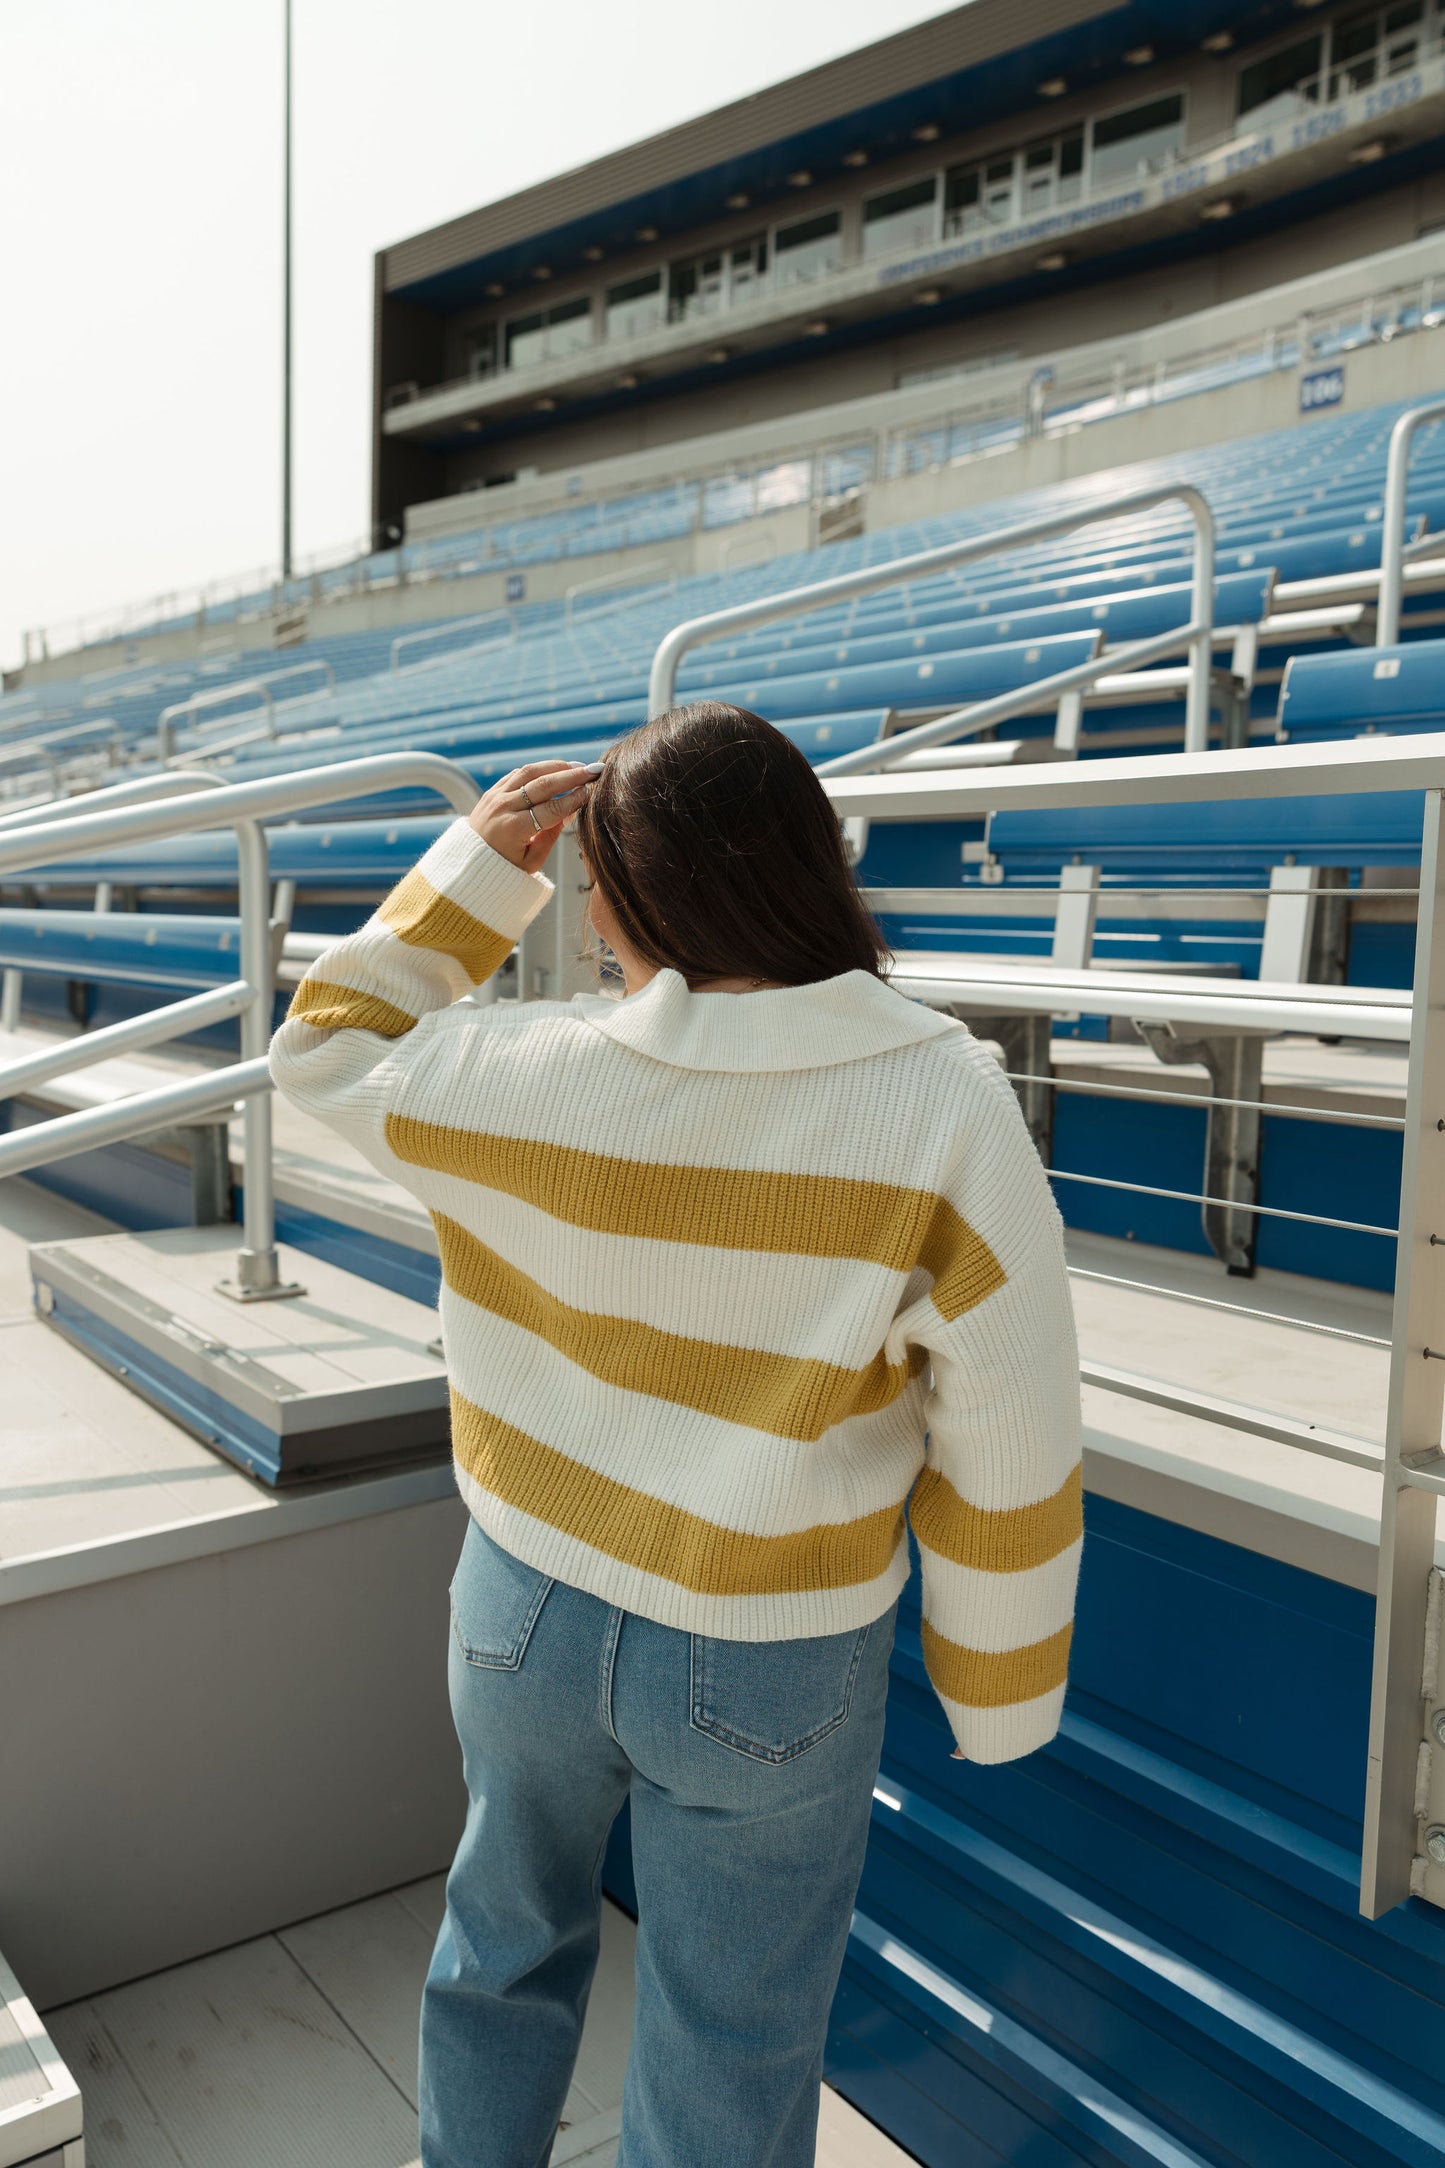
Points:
286	328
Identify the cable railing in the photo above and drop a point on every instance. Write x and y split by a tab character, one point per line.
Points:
1025	995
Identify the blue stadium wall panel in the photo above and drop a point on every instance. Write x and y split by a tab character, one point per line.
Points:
1143	1943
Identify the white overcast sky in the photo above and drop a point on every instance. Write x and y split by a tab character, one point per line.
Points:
140	222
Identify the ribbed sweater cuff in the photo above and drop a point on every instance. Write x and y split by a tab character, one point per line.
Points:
488	886
1000	1735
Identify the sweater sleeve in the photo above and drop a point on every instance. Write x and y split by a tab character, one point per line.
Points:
350	1034
997	1509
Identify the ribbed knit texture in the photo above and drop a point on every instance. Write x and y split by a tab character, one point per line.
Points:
731	1281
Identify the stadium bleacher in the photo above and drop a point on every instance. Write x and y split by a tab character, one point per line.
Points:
1298	553
1088	944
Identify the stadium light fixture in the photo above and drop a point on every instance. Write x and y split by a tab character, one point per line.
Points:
593	254
628	382
801	179
1219	41
855	158
1054	261
928	133
1369	154
928	297
818	329
1222	207
1138	56
496	289
718	354
739	201
541	270
546	404
647	233
1053	86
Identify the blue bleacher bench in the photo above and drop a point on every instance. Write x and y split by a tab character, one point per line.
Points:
1248	835
1372	688
140	950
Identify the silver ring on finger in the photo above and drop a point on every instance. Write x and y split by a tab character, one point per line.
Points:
533	812
522	793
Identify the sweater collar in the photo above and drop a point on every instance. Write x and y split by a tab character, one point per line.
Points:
786	1027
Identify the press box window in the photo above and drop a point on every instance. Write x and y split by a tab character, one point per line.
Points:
977	197
635	306
704	284
1366	47
549	334
482	351
903	218
808	250
1140	140
1283	82
1053	172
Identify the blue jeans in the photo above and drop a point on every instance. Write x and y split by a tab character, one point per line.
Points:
750	1767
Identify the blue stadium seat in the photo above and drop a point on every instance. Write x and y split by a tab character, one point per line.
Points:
1371	689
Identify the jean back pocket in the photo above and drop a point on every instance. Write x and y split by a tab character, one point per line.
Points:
496	1601
774	1699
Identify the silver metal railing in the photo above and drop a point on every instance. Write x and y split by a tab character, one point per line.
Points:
1411	1459
628	576
1197	636
445	631
169	806
1392	539
222	695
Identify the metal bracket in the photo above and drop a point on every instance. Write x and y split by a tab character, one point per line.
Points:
1235	1065
257	1280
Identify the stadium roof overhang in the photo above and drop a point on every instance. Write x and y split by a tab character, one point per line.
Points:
941	76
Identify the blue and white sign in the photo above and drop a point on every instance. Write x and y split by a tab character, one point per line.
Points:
516	586
1321	388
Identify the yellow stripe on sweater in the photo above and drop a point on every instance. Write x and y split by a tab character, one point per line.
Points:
654	1537
788	1396
1006	1539
341	1008
739	1208
423	917
995	1679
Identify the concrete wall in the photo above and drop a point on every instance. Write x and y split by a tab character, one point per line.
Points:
1411	368
204	1752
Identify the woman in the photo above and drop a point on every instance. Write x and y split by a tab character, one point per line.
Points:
734	1268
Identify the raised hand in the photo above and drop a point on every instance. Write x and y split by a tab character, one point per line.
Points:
522	816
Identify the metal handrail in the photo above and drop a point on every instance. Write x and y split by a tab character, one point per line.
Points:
628	576
1197	635
28	845
1392	540
444	632
220	695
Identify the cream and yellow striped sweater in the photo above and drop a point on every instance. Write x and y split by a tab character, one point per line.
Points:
729	1280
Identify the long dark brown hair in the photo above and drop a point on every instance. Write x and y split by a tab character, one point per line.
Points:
720	854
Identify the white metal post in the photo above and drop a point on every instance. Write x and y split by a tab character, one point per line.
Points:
258	1274
1392	538
1413	1460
